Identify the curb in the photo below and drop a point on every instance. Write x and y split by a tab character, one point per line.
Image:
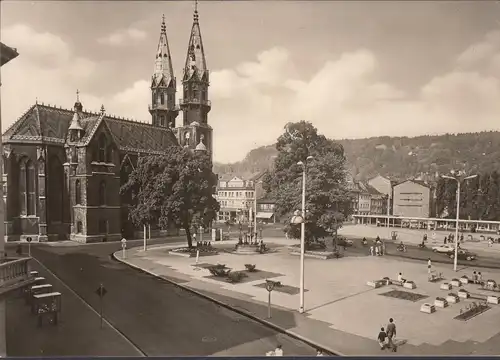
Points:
241	312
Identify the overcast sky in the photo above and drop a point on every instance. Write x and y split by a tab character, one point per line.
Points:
354	69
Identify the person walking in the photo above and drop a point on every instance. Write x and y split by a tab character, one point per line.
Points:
382	338
319	353
429	265
391	334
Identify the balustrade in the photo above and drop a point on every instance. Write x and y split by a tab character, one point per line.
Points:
13	270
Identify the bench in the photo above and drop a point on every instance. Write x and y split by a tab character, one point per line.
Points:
47	304
376	283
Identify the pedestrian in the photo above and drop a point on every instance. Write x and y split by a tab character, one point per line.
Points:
371	250
382	339
194	236
479	277
429	266
319	353
445	240
490	242
391	334
377	250
474	277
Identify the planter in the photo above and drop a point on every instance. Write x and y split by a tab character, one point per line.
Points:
323	255
427	308
409	285
453	299
445	286
441	303
376	283
186	255
464	280
463	294
493	300
455	282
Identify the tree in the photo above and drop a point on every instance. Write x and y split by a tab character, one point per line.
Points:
327	200
176	188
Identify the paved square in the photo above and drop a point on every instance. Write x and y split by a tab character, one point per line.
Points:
286	289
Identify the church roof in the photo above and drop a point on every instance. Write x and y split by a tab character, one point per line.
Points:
49	124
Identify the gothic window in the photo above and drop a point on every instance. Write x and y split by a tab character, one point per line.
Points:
195	94
28	188
102	148
153	98
162	98
78	192
162	120
102	193
170	97
79	227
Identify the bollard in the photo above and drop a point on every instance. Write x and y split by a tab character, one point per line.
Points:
197	256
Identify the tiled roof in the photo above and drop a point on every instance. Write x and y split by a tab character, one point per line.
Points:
48	124
419	182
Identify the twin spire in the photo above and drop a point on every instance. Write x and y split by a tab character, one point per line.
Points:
195	58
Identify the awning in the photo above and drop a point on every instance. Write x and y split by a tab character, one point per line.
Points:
264	215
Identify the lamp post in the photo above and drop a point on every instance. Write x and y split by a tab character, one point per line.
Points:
300	218
459	178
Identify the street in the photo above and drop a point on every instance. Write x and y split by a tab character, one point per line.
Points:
155	317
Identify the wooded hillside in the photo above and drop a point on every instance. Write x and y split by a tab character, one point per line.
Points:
399	157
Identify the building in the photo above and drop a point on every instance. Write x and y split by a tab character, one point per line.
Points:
236	195
266	210
13	271
64	168
412	198
384	186
366	200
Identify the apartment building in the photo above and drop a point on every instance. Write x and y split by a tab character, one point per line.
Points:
412	198
236	195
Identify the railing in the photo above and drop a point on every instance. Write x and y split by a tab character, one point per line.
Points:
195	101
13	271
163	107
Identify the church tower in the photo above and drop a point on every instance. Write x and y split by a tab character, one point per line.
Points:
195	133
163	86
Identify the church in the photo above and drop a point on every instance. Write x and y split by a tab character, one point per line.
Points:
63	168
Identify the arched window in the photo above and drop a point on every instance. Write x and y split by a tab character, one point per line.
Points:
27	187
102	148
78	192
102	193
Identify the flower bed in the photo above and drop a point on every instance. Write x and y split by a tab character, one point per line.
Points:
445	286
464	294
427	308
250	267
464	279
191	252
472	312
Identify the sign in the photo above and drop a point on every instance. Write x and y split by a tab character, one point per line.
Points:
124	243
101	291
29	239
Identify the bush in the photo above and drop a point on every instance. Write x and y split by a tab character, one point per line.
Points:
218	270
250	267
235	276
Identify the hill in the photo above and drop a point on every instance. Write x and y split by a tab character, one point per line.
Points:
398	157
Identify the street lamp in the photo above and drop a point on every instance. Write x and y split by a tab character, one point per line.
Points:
299	218
459	178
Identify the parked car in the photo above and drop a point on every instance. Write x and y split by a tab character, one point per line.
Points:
463	255
446	248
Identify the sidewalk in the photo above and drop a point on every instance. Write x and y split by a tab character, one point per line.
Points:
343	314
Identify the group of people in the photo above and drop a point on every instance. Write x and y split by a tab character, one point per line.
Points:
376	249
387	336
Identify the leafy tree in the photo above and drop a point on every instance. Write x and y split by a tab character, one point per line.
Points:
327	197
176	188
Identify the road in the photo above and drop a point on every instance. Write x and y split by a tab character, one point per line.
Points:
155	317
416	253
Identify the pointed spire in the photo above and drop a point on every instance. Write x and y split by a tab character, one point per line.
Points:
195	59
78	107
102	109
163	63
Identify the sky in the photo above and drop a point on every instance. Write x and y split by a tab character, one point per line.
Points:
354	69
